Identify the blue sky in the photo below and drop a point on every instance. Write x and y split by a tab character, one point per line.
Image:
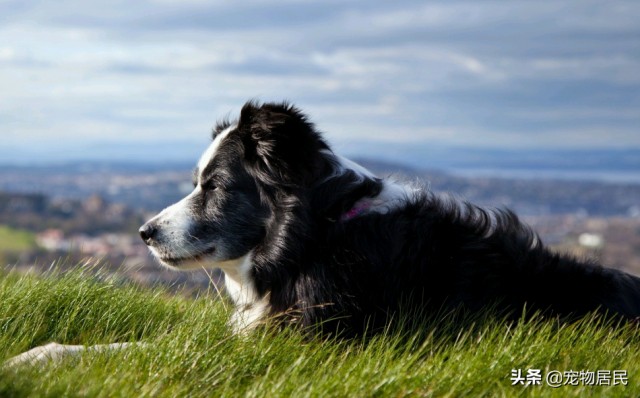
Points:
148	79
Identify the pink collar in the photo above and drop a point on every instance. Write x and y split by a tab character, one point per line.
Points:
355	211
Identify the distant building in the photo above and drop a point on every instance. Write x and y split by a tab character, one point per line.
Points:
592	241
52	240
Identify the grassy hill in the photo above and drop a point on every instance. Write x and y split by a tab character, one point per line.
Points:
14	240
191	352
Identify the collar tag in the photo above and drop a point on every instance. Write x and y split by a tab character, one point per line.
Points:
356	211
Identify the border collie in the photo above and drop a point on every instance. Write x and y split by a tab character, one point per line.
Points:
307	237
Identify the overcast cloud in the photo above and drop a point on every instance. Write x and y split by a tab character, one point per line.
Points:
130	79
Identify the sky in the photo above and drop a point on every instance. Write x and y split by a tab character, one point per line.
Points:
146	80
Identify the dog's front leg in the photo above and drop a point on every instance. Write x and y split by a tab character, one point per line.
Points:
55	352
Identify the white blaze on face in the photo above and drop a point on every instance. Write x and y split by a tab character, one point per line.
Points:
211	151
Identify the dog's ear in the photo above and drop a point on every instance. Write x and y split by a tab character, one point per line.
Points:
280	144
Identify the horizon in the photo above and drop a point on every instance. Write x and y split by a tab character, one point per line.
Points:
597	165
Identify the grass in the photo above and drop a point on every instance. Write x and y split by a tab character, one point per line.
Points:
14	240
192	353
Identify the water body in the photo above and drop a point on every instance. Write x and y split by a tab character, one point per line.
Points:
612	176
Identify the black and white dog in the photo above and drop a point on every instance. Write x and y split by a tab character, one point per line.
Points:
307	237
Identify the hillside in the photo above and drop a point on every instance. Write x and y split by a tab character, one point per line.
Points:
193	354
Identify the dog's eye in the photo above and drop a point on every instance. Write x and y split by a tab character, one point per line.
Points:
209	185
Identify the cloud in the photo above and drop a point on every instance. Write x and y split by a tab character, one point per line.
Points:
492	73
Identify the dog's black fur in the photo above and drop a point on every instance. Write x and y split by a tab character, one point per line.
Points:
428	253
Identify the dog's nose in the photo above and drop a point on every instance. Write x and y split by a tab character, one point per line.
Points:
147	232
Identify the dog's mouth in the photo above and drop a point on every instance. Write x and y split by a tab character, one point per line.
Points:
181	261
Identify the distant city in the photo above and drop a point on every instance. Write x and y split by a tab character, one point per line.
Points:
89	209
152	186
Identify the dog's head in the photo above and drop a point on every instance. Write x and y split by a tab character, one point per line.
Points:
270	149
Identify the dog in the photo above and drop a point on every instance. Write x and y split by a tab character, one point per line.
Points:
308	238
